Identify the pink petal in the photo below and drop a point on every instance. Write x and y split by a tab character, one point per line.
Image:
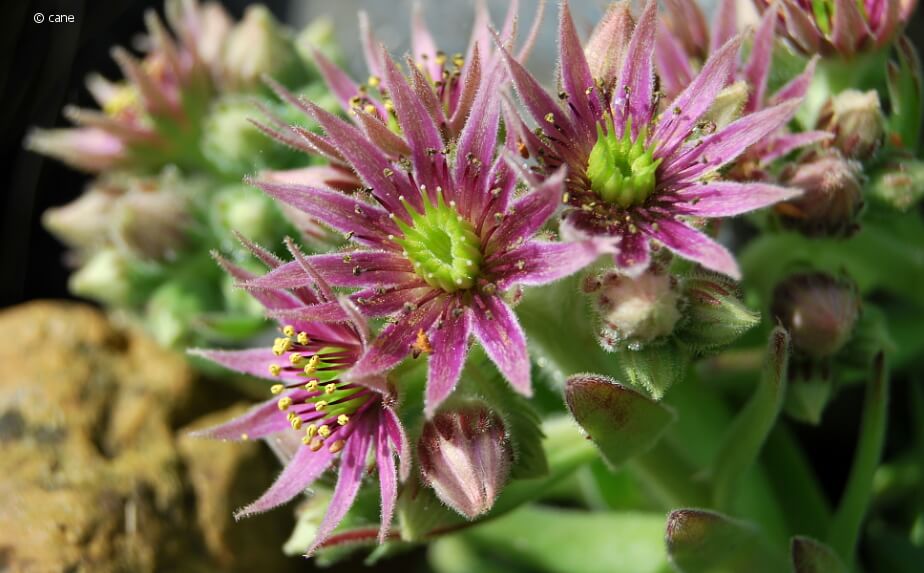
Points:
367	224
728	198
575	75
780	145
798	86
340	84
683	113
258	422
530	212
695	246
370	44
398	439
634	254
757	70
673	63
849	28
539	263
450	346
253	361
423	45
388	479
725	25
632	96
351	469
393	344
607	44
499	332
298	474
363	268
723	147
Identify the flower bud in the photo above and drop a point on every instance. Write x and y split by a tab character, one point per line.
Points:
233	144
900	184
174	307
831	199
258	45
104	277
84	222
319	35
855	118
818	310
635	310
465	457
714	316
150	221
654	367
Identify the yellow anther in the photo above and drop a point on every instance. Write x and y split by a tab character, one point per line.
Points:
312	365
284	403
311	430
303	338
316	444
320	405
277	388
296	423
295	358
291	415
288	330
389	106
312	386
440	58
306	440
336	446
124	97
330	388
369	108
458	61
324	431
374	81
275	369
343	419
245	437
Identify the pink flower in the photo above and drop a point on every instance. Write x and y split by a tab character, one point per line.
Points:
338	421
636	170
440	237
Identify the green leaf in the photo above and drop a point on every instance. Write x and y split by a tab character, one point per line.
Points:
810	556
656	367
700	541
542	539
748	431
620	421
905	94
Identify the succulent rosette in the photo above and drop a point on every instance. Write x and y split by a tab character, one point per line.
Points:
151	117
684	41
440	238
840	27
641	169
335	424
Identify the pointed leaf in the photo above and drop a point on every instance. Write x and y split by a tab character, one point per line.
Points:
810	556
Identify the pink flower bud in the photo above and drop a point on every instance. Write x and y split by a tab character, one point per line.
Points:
818	310
832	195
465	457
635	310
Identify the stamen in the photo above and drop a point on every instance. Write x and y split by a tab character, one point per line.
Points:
277	388
343	419
284	403
288	330
275	369
336	446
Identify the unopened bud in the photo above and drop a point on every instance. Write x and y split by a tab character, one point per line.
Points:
655	367
855	118
465	457
84	222
831	199
105	277
900	184
727	106
259	45
714	315
818	310
151	221
233	144
634	311
175	307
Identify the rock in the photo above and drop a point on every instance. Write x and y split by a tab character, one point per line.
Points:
96	475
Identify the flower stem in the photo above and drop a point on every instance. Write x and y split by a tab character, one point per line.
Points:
848	518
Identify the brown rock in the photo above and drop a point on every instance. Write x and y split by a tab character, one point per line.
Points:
95	476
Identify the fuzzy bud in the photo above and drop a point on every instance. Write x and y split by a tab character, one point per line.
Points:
104	277
258	45
151	222
465	457
714	316
818	310
634	311
831	199
248	211
855	118
84	222
233	144
900	184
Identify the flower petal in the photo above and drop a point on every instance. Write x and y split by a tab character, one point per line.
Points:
499	332
575	74
728	198
398	439
450	346
539	263
253	361
849	27
530	212
388	479
607	45
634	254
298	474
694	245
350	476
258	422
757	70
633	95
673	63
725	24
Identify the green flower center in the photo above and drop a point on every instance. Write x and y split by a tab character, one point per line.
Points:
622	170
442	246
